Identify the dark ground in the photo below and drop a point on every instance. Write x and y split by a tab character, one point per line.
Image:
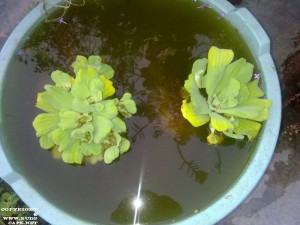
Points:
276	199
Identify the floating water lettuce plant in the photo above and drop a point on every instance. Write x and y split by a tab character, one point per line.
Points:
226	96
82	120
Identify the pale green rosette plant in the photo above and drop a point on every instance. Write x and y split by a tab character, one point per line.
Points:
226	96
81	119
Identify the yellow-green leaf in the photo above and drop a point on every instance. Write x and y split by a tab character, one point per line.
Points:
189	113
219	122
198	70
248	127
111	154
62	79
72	154
45	123
219	57
102	127
108	89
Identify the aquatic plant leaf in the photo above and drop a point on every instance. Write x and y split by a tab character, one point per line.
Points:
244	93
80	63
239	70
227	96
199	103
248	127
264	115
68	119
107	109
219	122
214	139
119	125
233	135
254	90
82	106
106	71
231	69
111	154
102	127
198	70
231	100
108	88
218	58
42	103
212	79
190	113
83	133
45	123
254	109
57	97
85	124
96	94
127	106
62	138
62	79
245	111
46	142
86	76
95	62
72	155
80	90
124	145
91	149
245	73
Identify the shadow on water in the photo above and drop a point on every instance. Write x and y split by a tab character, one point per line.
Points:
146	208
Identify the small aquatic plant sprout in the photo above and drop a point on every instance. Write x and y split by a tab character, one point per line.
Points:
82	120
226	96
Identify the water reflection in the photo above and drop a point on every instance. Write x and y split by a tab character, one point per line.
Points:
152	57
149	207
193	168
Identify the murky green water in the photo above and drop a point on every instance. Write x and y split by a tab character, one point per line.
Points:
151	44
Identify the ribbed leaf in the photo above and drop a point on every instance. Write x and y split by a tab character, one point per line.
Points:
108	88
244	94
219	122
46	142
190	113
254	90
91	149
227	96
118	125
106	71
124	145
95	62
198	70
80	63
111	154
212	79
45	123
82	106
83	133
57	97
72	154
219	58
68	119
80	90
62	138
102	126
248	127
62	79
108	109
200	105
